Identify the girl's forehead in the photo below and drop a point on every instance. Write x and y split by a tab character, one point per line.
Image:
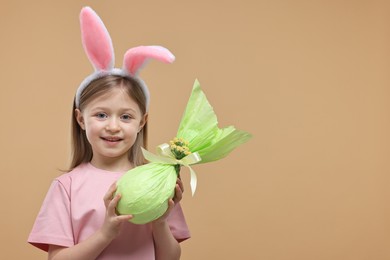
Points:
114	98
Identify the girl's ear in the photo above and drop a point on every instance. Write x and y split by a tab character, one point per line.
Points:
79	118
143	122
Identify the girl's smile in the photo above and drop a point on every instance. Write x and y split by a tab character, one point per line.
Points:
112	139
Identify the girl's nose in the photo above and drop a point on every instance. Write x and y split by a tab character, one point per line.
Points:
113	125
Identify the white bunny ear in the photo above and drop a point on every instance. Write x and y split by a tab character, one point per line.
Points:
136	58
96	40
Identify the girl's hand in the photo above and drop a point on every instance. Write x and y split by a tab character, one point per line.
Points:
166	246
112	222
179	189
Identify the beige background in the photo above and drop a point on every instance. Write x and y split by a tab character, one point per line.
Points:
309	79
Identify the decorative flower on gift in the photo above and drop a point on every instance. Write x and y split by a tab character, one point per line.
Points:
179	148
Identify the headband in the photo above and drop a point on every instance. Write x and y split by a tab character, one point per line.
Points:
98	47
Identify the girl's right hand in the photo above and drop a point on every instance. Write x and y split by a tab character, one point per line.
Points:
112	222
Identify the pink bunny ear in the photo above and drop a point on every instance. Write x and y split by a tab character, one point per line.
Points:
96	40
135	58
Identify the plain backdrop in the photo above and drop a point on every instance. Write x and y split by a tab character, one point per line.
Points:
308	78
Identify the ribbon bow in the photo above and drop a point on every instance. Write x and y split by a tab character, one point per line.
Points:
165	156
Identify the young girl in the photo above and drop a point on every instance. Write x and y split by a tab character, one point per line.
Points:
78	218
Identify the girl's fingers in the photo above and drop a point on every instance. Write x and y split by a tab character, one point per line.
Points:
124	217
178	194
111	210
110	192
112	188
113	203
171	204
180	182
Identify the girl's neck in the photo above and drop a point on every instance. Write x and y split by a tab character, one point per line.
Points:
112	165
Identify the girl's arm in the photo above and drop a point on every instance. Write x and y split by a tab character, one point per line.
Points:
88	249
166	246
95	244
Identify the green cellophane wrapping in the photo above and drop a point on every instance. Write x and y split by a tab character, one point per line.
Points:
146	189
199	126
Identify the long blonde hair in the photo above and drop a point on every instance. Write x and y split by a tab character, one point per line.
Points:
80	147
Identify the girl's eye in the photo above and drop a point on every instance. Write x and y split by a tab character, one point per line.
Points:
101	115
126	117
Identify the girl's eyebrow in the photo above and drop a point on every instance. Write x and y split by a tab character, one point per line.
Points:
127	109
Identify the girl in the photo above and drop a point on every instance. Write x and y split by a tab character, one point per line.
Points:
78	219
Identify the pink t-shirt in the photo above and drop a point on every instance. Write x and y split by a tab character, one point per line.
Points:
74	209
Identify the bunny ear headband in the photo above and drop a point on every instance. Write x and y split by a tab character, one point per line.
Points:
98	47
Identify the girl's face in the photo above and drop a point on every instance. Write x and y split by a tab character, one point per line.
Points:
111	123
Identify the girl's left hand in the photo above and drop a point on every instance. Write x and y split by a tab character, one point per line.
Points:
179	189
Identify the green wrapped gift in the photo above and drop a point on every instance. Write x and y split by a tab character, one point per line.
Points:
146	189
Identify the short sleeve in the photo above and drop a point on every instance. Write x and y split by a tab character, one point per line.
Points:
53	224
178	224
